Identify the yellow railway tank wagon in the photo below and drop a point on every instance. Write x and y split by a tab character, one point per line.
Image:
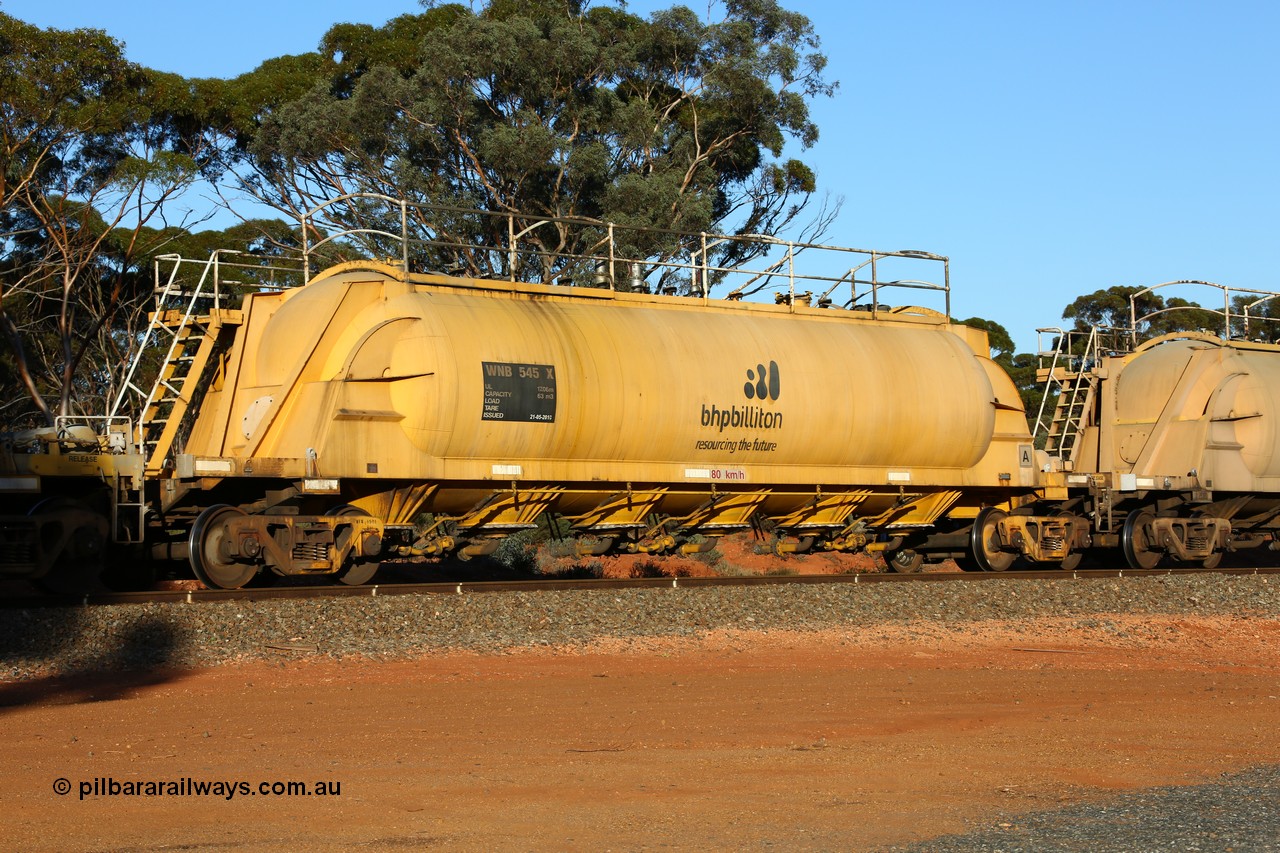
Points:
1173	452
66	494
317	430
380	396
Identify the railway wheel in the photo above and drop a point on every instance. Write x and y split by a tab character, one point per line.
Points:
904	560
356	570
83	535
1137	542
208	556
985	542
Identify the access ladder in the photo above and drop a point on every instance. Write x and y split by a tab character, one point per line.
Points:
1071	379
191	318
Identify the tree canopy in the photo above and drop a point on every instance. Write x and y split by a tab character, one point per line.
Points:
1154	315
92	150
548	108
554	108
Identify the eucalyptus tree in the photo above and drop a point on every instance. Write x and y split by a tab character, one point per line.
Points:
552	108
1119	306
94	150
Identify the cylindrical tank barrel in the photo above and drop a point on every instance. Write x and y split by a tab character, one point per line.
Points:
483	374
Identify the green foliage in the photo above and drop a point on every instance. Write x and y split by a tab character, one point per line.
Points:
59	88
711	557
547	108
1152	313
1263	317
552	107
518	552
92	148
998	337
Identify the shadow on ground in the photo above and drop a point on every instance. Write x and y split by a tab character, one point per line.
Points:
81	655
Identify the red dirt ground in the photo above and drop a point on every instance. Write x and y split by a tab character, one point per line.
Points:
842	740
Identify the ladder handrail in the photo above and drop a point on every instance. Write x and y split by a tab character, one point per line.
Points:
207	286
1053	366
1074	391
127	383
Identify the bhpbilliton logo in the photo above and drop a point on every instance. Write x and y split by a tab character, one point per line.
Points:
762	384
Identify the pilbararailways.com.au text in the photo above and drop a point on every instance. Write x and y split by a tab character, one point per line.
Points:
227	789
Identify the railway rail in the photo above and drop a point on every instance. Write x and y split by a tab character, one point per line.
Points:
208	596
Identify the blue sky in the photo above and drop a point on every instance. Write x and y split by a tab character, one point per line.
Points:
1049	148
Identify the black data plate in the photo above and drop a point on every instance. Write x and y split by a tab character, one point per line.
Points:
519	392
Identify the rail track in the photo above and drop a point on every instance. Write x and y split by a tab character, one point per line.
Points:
210	596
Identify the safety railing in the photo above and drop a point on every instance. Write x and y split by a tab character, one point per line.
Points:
1238	318
592	253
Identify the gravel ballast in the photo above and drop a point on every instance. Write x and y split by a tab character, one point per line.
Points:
52	641
1240	814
